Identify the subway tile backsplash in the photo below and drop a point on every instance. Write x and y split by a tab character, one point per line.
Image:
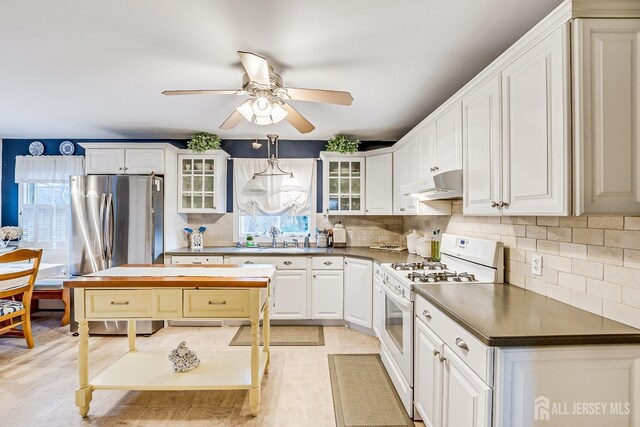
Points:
590	262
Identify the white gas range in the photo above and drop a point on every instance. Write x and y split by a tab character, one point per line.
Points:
464	260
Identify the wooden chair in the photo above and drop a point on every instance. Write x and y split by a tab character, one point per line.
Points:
12	308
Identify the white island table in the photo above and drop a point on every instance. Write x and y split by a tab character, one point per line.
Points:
171	292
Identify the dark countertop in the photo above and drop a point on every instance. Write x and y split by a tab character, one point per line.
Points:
356	252
508	316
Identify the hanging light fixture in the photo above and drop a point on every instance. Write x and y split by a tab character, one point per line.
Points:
257	187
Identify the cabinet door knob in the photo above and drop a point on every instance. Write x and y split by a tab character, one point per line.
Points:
443	359
436	168
460	343
494	205
504	204
402	209
436	352
426	314
248	262
314	276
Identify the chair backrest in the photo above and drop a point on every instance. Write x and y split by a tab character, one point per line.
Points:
22	255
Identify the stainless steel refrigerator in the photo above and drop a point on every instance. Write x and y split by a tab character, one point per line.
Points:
115	220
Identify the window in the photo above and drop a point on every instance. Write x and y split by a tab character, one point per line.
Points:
44	214
259	226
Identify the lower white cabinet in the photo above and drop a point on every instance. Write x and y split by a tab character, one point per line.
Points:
327	294
358	291
428	375
290	295
466	399
378	301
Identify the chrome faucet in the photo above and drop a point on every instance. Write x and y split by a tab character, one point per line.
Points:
285	244
274	232
295	243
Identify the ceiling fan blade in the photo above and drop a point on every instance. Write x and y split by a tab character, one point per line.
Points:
233	120
320	95
204	92
256	66
297	120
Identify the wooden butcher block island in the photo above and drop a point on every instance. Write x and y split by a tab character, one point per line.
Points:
171	292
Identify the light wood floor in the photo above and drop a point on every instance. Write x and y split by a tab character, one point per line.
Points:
37	386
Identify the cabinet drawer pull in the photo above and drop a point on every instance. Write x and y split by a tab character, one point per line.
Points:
119	302
460	343
248	262
426	314
218	302
287	263
197	262
436	352
327	263
402	209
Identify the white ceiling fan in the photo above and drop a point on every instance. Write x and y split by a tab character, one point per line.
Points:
268	95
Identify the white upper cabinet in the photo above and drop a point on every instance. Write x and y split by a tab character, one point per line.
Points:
536	126
143	161
481	149
449	140
379	185
606	63
104	160
140	161
427	152
405	171
343	184
202	181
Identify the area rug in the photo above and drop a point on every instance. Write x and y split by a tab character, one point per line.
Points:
363	394
283	335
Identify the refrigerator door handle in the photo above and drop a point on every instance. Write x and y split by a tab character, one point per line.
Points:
102	212
110	225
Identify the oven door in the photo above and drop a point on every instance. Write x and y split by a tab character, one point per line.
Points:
397	331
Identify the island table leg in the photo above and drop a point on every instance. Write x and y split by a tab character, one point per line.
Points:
254	316
131	334
84	391
266	333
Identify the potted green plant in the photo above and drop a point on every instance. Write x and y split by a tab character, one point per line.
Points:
342	144
203	141
249	240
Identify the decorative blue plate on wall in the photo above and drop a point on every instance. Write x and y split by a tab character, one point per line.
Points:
36	148
67	148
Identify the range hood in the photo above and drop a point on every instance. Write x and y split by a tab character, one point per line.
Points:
445	185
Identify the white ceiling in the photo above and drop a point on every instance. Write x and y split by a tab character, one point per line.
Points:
95	69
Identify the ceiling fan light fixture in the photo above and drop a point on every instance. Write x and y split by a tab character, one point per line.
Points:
246	110
262	104
278	113
263	121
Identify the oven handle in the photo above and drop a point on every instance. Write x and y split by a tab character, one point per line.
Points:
400	301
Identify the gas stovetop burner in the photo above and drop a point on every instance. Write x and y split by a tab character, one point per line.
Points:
440	276
434	265
407	265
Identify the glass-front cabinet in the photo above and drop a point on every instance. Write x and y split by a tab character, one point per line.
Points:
202	183
343	185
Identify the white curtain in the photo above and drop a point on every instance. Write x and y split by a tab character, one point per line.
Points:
274	202
48	169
